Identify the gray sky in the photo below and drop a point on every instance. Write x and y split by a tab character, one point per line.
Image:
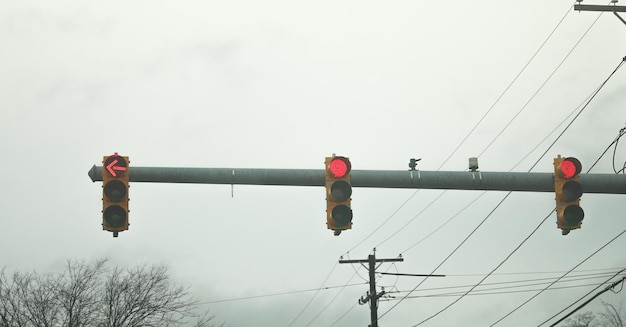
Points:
282	84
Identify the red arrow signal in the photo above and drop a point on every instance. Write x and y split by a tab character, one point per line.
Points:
115	166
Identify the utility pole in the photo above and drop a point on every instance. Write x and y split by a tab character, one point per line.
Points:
372	296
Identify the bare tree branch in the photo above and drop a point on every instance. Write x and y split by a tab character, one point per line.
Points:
612	315
87	295
581	320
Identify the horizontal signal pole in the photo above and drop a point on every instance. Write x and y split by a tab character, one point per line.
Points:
412	179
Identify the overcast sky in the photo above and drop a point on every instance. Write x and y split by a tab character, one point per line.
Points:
283	84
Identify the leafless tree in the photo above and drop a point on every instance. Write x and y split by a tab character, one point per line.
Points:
581	320
611	317
89	295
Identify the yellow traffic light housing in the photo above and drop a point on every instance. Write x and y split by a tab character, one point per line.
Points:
115	177
338	192
569	214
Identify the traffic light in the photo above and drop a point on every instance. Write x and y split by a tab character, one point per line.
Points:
115	173
569	214
338	192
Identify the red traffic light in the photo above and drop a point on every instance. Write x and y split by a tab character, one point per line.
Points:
115	178
568	190
338	192
116	165
570	167
339	167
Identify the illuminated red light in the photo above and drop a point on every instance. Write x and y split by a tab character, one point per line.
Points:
570	167
339	167
115	164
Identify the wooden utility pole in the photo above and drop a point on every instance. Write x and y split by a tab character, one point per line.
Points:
372	296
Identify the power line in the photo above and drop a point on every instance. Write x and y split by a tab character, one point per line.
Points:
582	297
334	298
522	283
384	222
582	105
591	299
280	293
621	133
518	247
494	269
445	223
473	129
355	303
543	84
480	121
412	219
356	273
509	86
530	168
533	272
344	314
373	295
314	295
568	125
586	104
450	255
576	266
485	292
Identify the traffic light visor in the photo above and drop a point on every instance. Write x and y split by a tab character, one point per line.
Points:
573	214
571	191
339	167
570	167
115	216
115	190
341	215
341	191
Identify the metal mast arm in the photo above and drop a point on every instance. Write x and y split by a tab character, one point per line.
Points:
488	181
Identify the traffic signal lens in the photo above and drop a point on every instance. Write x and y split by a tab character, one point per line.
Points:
115	165
570	167
571	191
115	216
573	214
339	167
341	191
341	215
115	190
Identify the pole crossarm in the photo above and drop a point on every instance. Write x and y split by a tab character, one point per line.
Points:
486	181
612	8
372	295
376	260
